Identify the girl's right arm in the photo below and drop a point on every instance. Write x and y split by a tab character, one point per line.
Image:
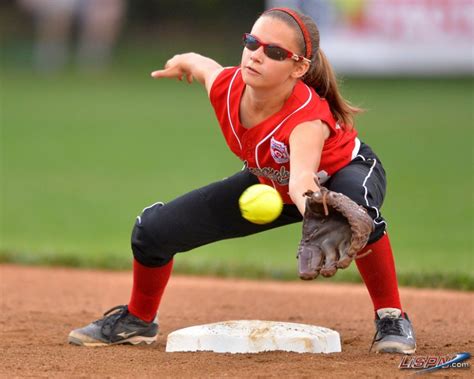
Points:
192	66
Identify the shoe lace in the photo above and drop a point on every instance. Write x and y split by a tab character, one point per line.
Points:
112	316
387	325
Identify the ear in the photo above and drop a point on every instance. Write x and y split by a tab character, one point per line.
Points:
300	69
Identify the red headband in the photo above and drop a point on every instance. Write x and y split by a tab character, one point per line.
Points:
304	30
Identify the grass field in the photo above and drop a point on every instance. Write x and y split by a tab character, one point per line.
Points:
83	155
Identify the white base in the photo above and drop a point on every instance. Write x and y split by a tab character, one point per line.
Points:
254	336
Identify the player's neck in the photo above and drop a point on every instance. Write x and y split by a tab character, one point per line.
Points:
264	100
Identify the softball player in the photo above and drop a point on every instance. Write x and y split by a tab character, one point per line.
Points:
282	114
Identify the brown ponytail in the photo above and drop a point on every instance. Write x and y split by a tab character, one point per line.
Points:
320	75
322	78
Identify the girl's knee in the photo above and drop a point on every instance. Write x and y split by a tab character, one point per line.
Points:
148	238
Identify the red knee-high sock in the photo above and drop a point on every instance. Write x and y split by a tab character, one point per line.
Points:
378	272
149	283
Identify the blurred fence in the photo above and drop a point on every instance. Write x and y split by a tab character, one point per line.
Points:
368	37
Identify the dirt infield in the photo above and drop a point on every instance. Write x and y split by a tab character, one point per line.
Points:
41	305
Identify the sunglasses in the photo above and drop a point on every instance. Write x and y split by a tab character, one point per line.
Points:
271	51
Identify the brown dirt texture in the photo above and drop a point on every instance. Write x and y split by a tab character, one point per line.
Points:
41	305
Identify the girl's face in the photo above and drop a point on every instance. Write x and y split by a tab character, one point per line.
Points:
258	70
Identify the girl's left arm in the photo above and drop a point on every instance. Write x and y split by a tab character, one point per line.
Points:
306	146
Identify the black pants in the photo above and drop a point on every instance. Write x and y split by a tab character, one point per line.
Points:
212	213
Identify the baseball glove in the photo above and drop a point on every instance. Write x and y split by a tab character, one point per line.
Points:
335	228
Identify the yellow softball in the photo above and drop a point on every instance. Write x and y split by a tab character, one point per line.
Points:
260	204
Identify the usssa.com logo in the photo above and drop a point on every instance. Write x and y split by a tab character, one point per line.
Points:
427	363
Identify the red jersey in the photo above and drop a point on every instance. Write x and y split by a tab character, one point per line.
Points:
265	147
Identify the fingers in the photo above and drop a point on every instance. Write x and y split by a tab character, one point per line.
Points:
189	78
172	72
330	259
344	247
174	68
309	262
344	258
167	72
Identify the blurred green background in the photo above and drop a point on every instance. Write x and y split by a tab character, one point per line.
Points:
83	153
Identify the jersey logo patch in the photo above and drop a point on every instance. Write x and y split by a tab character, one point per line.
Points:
279	151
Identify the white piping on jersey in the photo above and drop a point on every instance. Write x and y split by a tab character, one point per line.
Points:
228	107
280	124
356	149
367	191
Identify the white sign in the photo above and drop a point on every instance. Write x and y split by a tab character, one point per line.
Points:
422	37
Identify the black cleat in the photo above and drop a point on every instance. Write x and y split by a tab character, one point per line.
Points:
394	333
117	327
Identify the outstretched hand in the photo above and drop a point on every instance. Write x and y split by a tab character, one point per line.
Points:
191	66
176	67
